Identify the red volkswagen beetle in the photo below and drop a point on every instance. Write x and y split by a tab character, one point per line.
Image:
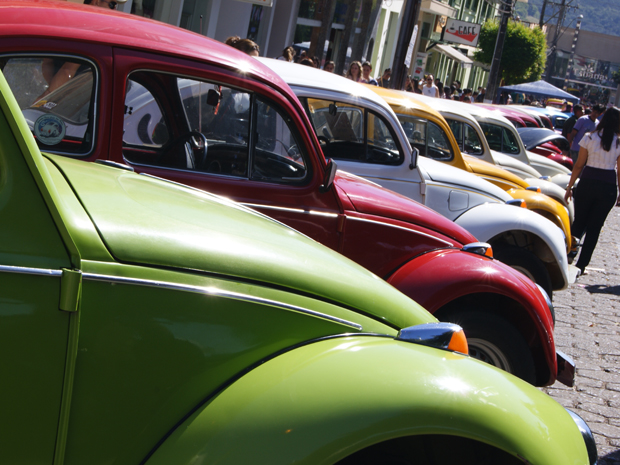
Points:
119	89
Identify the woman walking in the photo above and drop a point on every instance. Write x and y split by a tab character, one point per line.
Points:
596	193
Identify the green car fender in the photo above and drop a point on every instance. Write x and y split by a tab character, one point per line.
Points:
324	401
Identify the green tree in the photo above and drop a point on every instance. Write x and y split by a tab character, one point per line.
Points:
524	55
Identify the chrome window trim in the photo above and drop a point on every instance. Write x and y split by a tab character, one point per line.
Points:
217	293
448	244
30	271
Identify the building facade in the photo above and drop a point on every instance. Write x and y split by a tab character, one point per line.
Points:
351	30
596	58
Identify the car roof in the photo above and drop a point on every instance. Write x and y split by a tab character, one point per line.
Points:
297	75
85	23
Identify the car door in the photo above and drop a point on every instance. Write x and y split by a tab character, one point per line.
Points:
217	130
33	329
362	141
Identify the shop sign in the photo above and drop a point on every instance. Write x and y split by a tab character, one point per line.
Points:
461	32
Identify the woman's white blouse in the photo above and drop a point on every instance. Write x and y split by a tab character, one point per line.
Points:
597	156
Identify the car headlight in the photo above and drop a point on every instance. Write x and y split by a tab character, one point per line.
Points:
587	435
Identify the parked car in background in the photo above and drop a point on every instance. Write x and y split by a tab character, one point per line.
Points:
340	110
556	116
546	143
172	104
451	155
516	117
147	322
508	152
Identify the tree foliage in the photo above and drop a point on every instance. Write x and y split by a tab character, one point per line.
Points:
524	54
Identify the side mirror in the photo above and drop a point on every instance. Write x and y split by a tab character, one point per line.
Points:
213	97
330	174
414	158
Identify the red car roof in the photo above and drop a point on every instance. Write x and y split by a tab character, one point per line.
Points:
85	23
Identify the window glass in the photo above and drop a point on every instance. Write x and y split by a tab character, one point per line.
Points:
56	96
472	143
457	130
277	156
349	132
510	144
427	137
187	124
415	129
494	135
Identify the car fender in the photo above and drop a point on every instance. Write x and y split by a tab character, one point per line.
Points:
439	278
326	400
546	206
492	220
556	192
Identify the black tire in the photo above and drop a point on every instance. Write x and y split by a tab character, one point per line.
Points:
495	341
527	263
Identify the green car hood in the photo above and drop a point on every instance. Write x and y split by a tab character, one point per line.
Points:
157	223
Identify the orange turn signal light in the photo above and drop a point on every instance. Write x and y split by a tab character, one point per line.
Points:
533	189
446	336
517	203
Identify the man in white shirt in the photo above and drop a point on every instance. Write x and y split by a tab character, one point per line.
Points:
429	88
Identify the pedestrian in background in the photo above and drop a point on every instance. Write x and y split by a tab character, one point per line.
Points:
247	46
586	123
355	71
429	88
366	77
288	54
384	80
596	193
329	66
570	122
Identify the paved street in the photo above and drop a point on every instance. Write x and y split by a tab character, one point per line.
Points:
588	329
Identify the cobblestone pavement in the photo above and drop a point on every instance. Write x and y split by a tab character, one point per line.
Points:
588	329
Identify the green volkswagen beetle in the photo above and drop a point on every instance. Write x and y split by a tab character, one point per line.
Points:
143	322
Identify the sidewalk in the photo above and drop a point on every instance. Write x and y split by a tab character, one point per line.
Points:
588	329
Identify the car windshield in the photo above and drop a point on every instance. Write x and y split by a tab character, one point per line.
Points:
427	137
56	96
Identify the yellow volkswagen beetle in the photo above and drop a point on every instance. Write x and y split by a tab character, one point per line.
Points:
414	115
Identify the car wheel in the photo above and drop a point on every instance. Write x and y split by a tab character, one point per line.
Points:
495	341
526	263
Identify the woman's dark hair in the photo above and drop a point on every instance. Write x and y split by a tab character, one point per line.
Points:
245	45
608	127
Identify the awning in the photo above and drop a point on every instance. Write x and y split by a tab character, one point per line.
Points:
451	53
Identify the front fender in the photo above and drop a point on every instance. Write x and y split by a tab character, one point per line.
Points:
547	207
324	401
553	190
491	220
438	278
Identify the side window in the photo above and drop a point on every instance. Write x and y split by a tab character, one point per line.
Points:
349	132
427	137
277	155
56	95
510	144
494	136
186	124
472	143
415	129
457	130
438	143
